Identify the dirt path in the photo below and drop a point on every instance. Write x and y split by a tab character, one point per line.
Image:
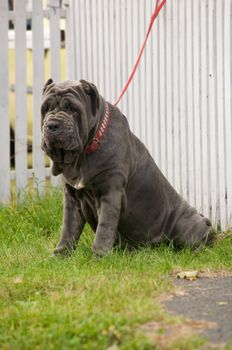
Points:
206	299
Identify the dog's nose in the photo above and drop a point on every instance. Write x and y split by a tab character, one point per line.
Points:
53	125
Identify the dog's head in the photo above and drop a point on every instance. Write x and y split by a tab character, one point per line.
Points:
69	113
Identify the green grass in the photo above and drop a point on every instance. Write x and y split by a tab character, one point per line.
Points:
83	302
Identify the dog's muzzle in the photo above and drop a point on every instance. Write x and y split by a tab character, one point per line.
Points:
53	126
59	132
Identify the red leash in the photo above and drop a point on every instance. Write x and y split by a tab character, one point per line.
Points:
158	7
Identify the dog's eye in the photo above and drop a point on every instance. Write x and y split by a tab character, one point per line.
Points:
67	107
44	109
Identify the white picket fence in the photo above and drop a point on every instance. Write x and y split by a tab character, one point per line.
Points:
38	39
179	103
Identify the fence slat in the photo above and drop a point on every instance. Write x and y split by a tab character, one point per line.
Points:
101	59
169	101
20	96
175	89
162	115
70	40
211	113
203	110
142	72
135	29
182	99
94	42
228	106
88	30
220	115
75	9
196	96
155	151
106	45
189	103
148	87
117	51
111	29
55	44
38	83
4	107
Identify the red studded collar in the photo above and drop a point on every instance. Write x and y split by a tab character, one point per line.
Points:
96	141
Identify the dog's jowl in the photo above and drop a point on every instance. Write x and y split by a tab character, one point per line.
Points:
109	178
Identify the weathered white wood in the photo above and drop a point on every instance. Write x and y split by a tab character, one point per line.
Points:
130	61
220	116
111	30
20	96
85	23
149	98
169	100
196	96
83	74
162	99
30	173
77	37
189	105
38	83
88	36
141	75
182	99
211	112
54	21
204	111
100	49
136	44
175	89
54	26
70	41
155	93
4	107
228	106
11	36
106	48
94	41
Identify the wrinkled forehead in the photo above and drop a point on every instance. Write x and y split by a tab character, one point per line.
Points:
68	90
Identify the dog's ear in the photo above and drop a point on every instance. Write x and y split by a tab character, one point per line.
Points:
48	82
91	90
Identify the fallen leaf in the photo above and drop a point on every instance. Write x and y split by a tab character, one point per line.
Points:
113	347
222	303
189	275
18	280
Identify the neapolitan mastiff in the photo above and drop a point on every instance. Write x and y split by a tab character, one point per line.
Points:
110	179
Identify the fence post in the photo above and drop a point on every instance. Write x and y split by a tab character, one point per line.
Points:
38	83
70	42
4	107
55	45
20	95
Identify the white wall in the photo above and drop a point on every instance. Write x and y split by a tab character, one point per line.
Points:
179	103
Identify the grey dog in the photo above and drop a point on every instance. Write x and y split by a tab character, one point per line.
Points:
110	179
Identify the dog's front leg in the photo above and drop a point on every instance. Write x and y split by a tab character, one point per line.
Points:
73	224
108	218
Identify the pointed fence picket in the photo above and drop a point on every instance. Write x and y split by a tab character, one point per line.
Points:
20	39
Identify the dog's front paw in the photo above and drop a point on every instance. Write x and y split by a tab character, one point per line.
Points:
64	249
100	250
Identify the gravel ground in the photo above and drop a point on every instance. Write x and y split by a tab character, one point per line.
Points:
206	299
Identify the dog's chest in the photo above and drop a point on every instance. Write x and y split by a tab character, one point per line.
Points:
77	183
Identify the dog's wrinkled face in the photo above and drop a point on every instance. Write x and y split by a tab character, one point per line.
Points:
69	111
